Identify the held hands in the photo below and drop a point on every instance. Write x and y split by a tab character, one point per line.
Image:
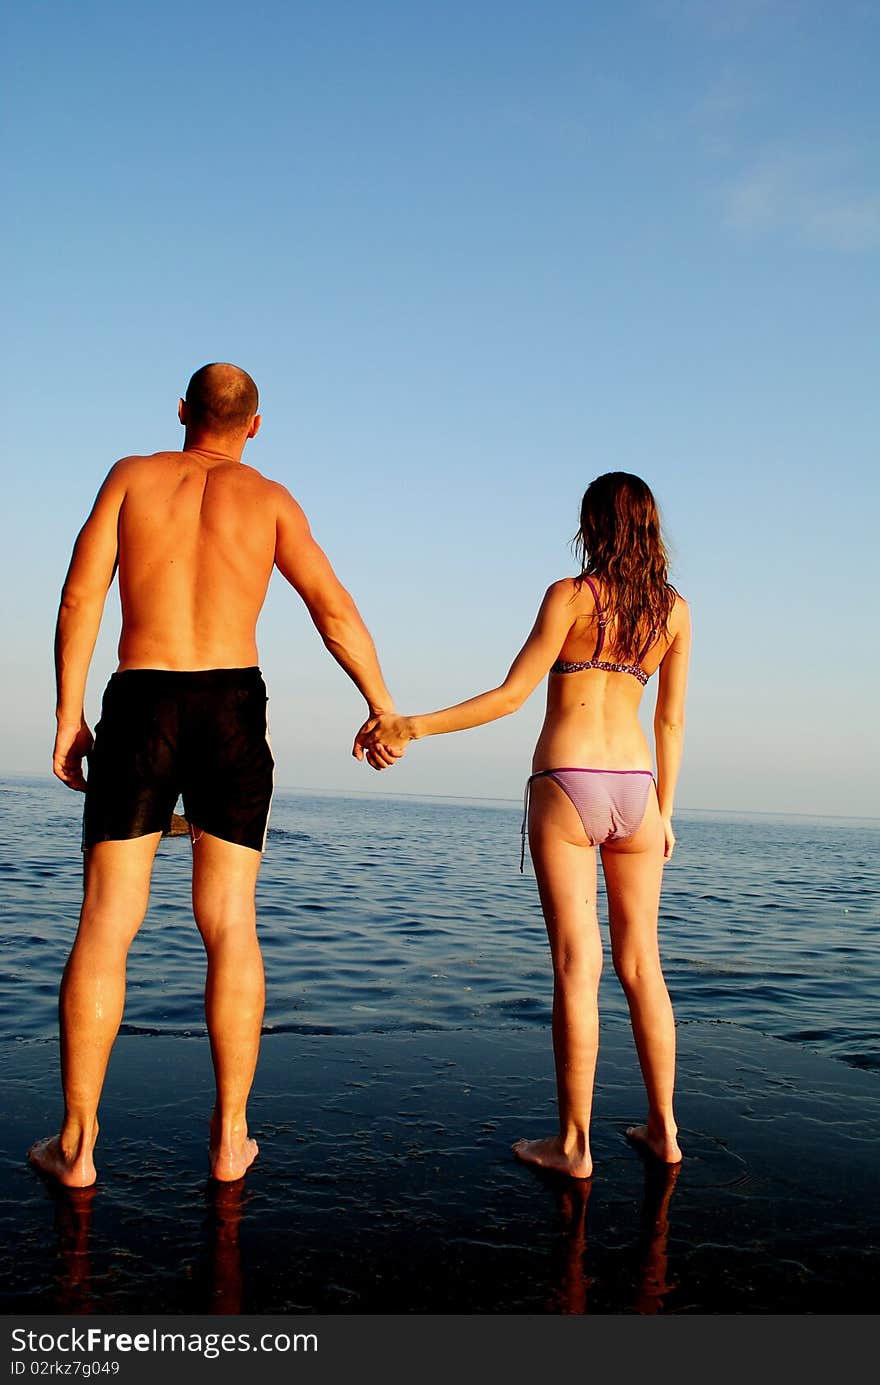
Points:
73	741
382	739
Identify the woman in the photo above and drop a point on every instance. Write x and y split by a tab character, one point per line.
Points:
600	636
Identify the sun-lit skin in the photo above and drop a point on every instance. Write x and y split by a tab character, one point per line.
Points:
591	720
194	536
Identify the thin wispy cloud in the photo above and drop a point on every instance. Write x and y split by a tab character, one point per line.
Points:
729	96
719	114
721	19
819	198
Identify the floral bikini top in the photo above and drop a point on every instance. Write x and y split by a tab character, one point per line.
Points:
564	666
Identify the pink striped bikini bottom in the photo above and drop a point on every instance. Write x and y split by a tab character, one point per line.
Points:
611	803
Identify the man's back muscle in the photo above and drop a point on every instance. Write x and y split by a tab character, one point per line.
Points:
196	547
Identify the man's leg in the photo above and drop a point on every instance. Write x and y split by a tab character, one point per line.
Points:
117	888
224	881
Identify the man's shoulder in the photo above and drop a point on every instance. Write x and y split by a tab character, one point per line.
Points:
258	477
264	489
269	495
276	489
140	461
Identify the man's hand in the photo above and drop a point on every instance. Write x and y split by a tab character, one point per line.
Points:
382	740
73	741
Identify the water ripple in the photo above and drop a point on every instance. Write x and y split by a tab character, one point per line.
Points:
380	914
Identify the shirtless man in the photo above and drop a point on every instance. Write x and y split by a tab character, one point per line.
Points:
195	536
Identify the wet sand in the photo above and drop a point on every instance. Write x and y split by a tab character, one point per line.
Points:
385	1183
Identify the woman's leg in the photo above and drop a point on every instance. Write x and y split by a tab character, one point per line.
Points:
565	865
633	875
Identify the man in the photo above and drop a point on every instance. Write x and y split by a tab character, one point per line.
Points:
194	536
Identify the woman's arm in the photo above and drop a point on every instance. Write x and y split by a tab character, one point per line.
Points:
532	663
669	717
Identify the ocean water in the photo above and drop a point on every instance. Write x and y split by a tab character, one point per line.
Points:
380	914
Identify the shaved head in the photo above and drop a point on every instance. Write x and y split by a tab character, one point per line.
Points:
221	398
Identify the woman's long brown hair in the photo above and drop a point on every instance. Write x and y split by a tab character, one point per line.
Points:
619	542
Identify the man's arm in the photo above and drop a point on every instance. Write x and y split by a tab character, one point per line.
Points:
79	618
307	568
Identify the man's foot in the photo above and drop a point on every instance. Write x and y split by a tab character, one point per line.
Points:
549	1154
75	1171
660	1144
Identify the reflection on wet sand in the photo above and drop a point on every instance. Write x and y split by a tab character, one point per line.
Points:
570	1278
654	1283
74	1291
73	1223
572	1281
225	1203
570	1292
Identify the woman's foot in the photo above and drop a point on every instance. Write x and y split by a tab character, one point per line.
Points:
661	1144
550	1154
230	1164
231	1153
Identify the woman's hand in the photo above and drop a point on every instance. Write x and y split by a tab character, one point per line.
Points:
382	739
669	835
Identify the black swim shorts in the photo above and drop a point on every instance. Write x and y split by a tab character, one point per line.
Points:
161	734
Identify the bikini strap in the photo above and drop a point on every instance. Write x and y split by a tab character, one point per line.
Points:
522	830
600	616
647	645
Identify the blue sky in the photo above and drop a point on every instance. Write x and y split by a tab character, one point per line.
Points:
474	255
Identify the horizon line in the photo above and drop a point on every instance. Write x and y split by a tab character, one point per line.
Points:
48	777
